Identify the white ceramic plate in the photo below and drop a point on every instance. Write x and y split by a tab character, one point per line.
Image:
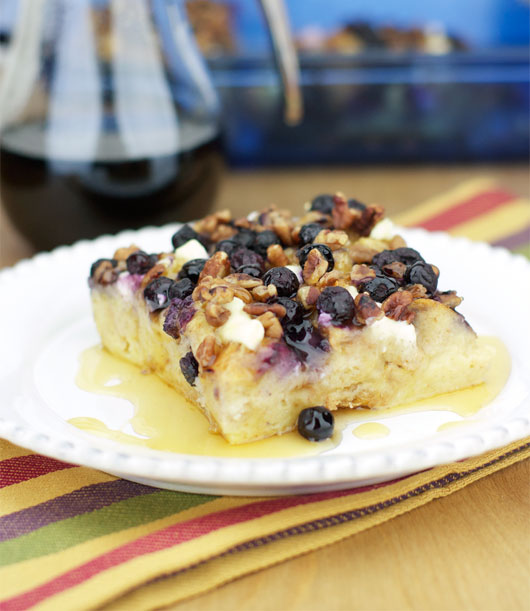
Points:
46	321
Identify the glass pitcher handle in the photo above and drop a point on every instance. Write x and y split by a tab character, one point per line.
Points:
286	58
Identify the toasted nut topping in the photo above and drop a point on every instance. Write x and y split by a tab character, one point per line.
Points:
217	266
396	306
435	270
276	256
244	280
264	293
207	351
360	274
308	296
397	242
449	298
216	315
219	294
105	273
315	267
283	231
366	308
271	324
370	216
210	223
123	253
222	232
334	239
153	273
242	294
418	291
257	309
396	270
362	253
332	278
343	216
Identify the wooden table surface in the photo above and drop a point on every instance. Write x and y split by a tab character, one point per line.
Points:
470	550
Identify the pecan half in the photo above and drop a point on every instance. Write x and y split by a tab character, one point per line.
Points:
222	232
271	324
362	253
242	294
366	308
308	296
207	351
123	253
332	278
315	267
396	270
216	314
335	238
264	293
244	280
368	219
448	298
397	242
360	274
217	266
257	309
210	223
396	306
105	273
343	216
217	293
418	291
276	256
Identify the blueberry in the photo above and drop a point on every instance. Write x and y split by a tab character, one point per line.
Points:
405	255
245	237
323	203
250	270
97	263
338	303
309	232
315	423
156	293
244	256
294	312
356	205
380	287
227	246
192	270
285	281
263	240
422	273
303	253
181	289
183	235
140	262
304	340
189	367
179	314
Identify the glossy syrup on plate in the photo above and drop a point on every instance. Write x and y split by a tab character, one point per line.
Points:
164	420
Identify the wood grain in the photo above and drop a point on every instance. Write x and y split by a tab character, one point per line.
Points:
470	550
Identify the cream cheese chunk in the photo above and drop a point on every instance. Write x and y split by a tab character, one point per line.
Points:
386	330
384	230
192	249
240	327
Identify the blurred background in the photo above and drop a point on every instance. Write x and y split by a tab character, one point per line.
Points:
140	128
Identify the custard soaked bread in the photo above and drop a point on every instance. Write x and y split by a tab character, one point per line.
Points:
258	318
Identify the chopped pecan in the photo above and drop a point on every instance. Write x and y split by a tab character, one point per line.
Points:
282	229
315	267
435	270
335	239
449	298
397	242
368	219
362	253
207	351
242	294
308	296
396	306
216	314
217	266
244	280
105	273
153	273
396	270
264	293
343	216
219	294
366	308
123	253
257	309
271	324
361	274
210	223
332	278
222	232
418	291
276	256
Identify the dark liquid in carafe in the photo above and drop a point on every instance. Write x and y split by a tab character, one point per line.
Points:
54	201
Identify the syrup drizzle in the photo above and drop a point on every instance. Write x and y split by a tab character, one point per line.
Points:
164	420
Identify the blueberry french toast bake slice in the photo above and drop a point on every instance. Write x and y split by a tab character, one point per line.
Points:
256	319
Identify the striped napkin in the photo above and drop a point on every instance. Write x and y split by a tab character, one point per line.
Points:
72	537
